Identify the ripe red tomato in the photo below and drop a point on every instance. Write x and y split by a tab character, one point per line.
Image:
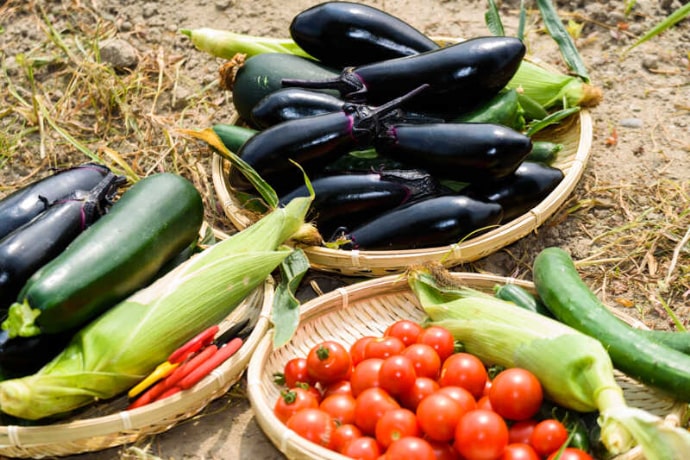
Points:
329	362
440	340
340	406
358	349
484	403
438	415
461	395
295	371
383	347
370	406
427	363
481	435
343	435
520	432
444	451
464	370
516	394
519	451
340	387
397	374
548	436
314	425
365	375
396	424
363	448
571	453
423	387
293	400
410	448
404	329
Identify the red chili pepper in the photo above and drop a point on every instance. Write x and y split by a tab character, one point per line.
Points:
195	344
204	368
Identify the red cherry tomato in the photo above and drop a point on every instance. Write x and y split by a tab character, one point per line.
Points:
516	394
410	448
395	424
548	436
340	387
343	435
370	406
295	371
423	387
571	453
341	407
365	375
383	347
427	363
484	403
363	448
358	349
520	432
464	370
397	374
314	425
444	451
404	329
293	400
440	339
438	415
329	362
461	395
481	435
519	451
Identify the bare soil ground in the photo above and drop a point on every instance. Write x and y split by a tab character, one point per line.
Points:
626	224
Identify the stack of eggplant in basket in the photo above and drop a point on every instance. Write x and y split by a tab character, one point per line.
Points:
407	143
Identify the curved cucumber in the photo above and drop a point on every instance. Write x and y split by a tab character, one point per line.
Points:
560	287
122	252
522	298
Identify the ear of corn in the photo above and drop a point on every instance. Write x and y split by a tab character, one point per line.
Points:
122	346
225	44
574	369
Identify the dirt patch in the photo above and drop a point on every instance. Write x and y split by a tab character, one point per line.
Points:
625	223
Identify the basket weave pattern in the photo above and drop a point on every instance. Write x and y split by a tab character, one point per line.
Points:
367	308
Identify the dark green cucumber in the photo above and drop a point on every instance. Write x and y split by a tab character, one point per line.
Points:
544	152
562	290
151	223
233	136
522	298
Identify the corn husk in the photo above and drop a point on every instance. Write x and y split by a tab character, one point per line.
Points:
121	347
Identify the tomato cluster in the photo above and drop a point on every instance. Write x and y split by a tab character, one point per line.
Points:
409	395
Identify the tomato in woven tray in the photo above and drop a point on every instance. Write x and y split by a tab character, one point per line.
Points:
397	398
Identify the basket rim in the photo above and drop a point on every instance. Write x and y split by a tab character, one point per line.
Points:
381	262
126	426
294	446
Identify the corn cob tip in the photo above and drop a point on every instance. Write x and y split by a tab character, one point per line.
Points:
591	95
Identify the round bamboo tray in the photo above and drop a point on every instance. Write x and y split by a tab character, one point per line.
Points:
576	136
109	424
367	308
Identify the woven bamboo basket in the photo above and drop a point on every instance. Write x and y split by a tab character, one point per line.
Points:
576	136
109	424
367	308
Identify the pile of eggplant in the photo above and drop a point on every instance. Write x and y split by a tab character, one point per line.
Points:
405	142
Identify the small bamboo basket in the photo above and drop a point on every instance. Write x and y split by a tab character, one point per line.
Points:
367	308
576	136
109	424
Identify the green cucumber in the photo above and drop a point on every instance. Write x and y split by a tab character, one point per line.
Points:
503	109
522	298
263	73
233	136
151	223
562	290
544	152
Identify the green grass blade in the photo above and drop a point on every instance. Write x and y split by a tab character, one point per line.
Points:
493	20
681	13
522	21
560	35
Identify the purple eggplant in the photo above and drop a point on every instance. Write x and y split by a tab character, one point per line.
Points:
24	204
343	34
431	222
29	247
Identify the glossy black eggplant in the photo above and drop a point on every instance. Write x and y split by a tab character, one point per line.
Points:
29	247
465	152
343	34
431	222
20	356
459	76
519	192
292	103
350	199
24	204
312	142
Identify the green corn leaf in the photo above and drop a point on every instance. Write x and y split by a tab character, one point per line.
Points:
552	119
681	13
285	314
493	20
